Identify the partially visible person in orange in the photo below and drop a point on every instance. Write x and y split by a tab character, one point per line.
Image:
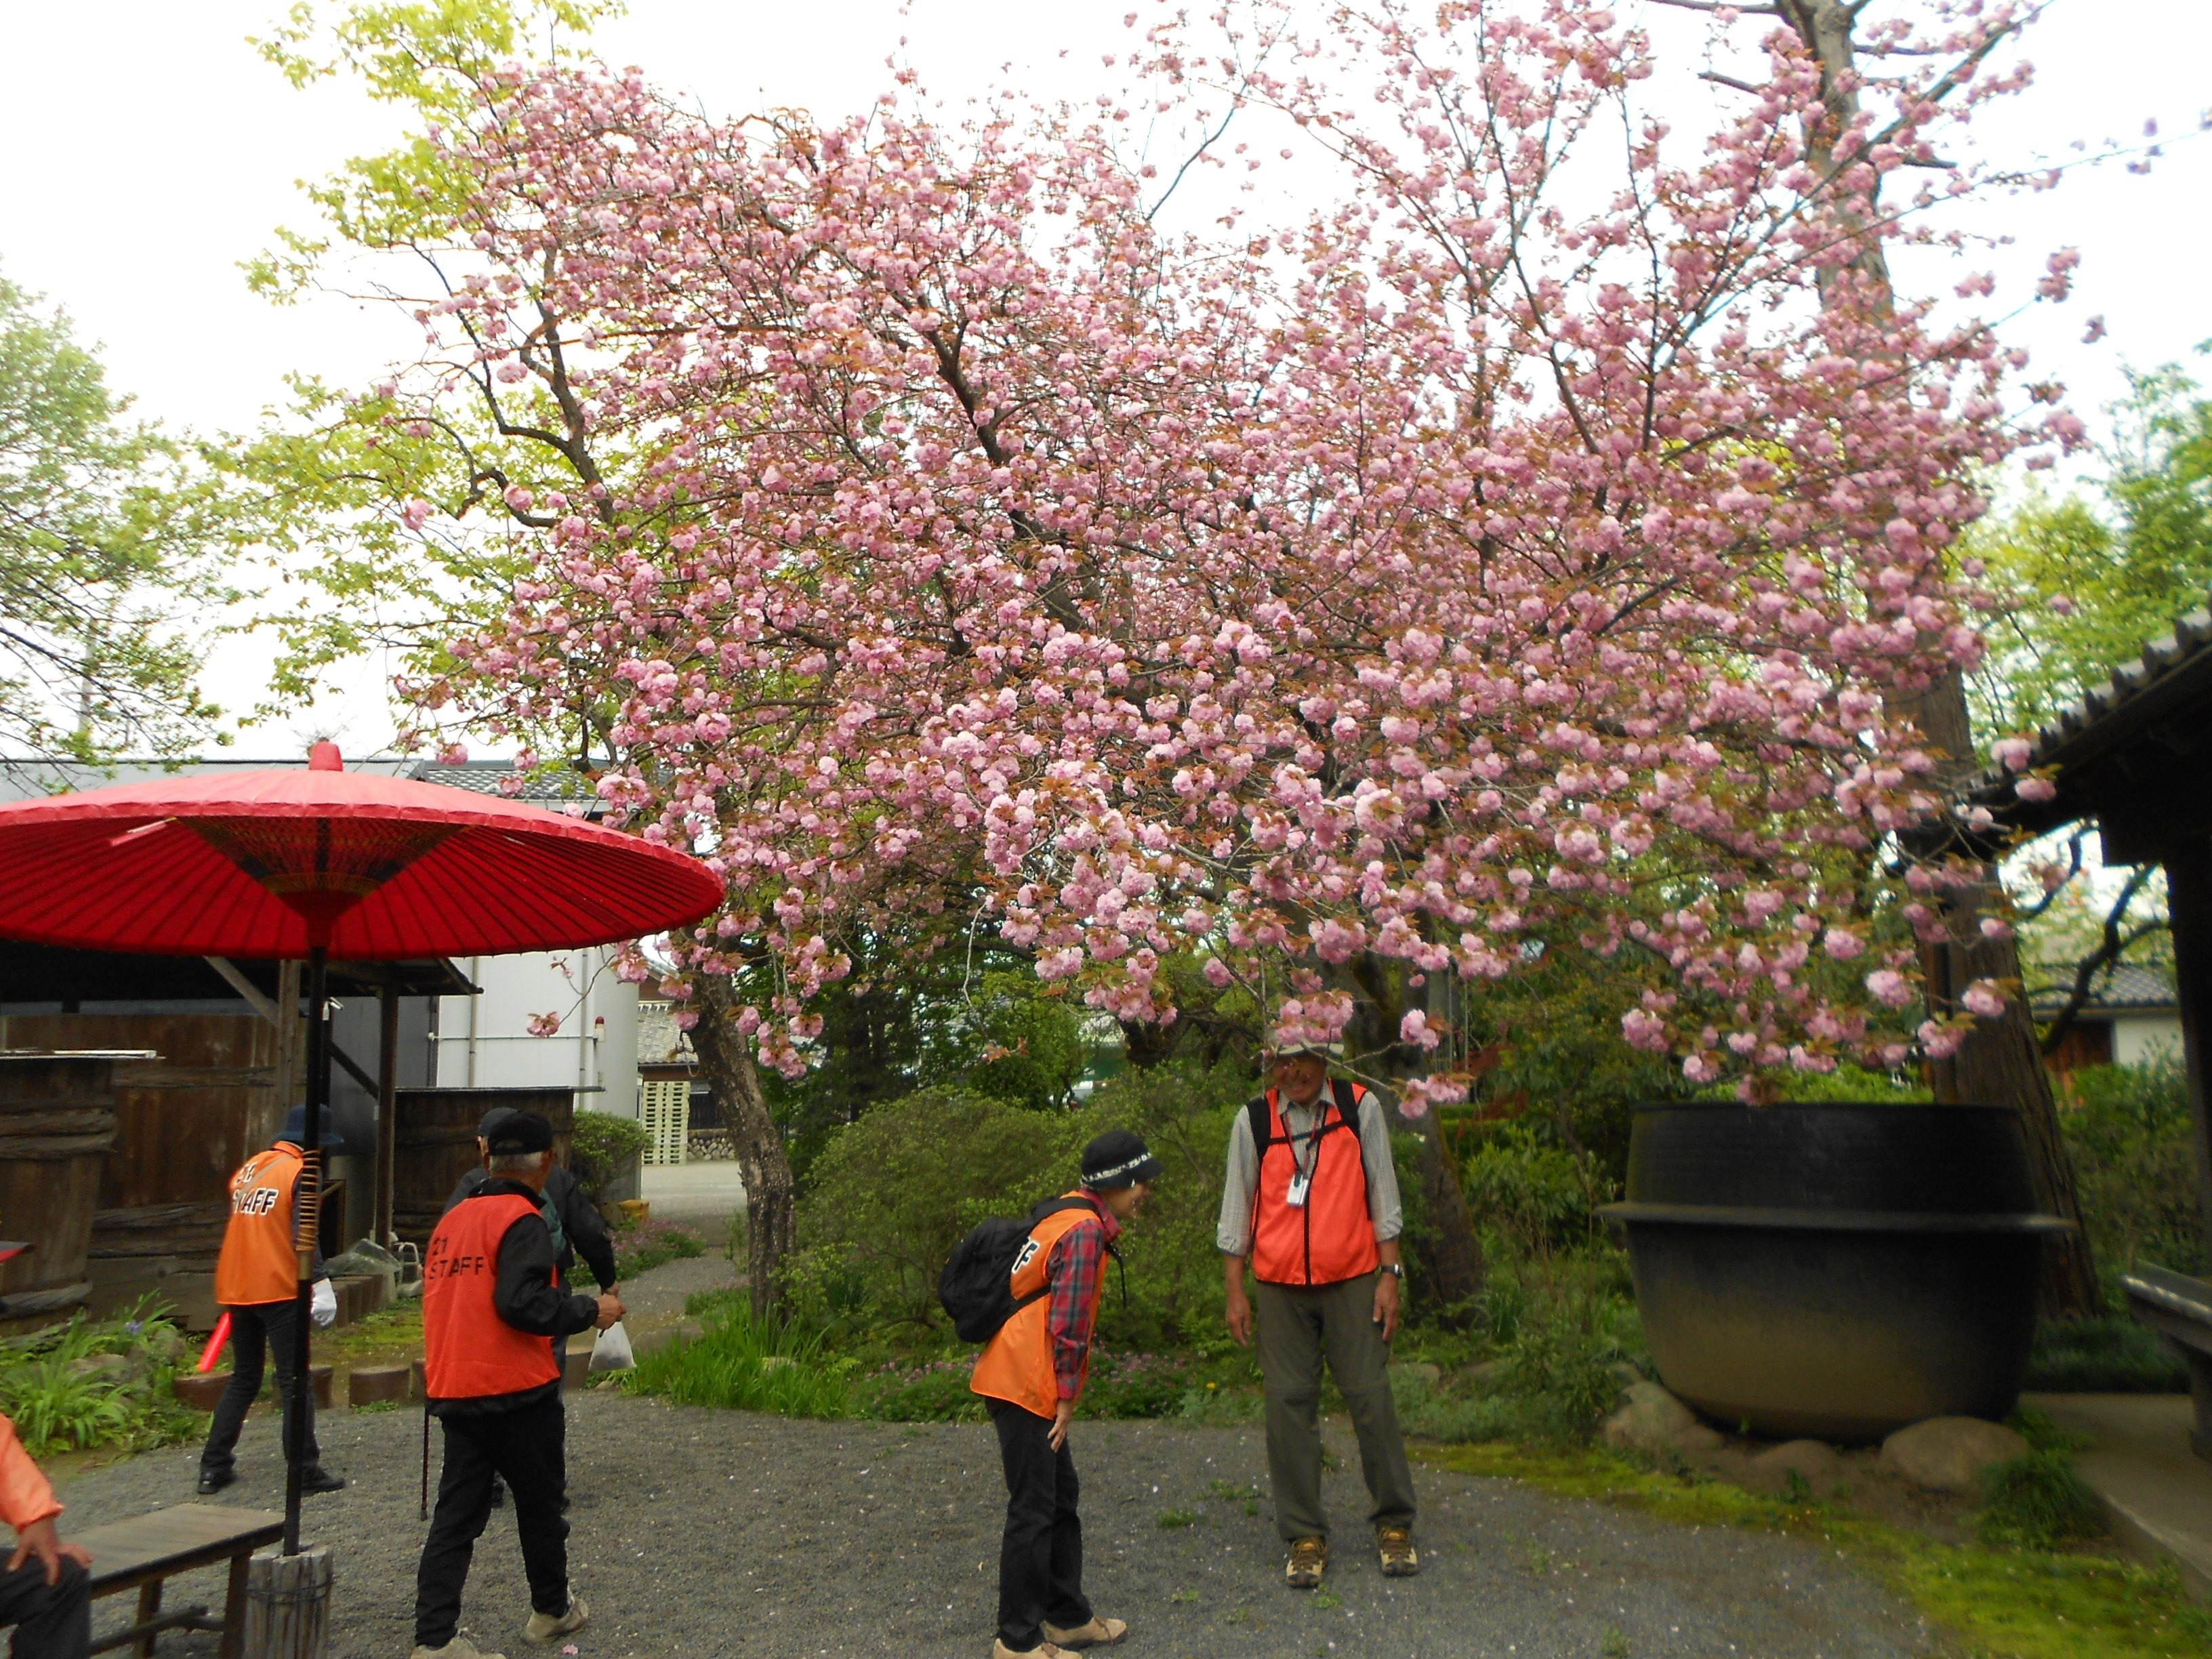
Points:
256	1280
44	1590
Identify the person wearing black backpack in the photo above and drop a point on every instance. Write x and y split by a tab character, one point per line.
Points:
1311	1199
1031	1373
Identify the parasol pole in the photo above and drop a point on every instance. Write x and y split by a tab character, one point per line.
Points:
306	1227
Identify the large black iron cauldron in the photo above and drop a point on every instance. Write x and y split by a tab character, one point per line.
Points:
1834	1268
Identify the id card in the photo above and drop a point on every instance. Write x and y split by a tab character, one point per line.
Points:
1295	1197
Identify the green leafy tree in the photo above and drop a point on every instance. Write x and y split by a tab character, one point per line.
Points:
110	536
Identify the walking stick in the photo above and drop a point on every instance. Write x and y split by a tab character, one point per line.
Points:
425	1508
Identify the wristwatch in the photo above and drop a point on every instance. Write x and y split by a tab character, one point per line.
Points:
1395	1269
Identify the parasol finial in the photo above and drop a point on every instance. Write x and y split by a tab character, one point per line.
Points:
324	757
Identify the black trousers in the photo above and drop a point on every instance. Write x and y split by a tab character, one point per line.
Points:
527	1447
52	1621
1041	1556
263	1330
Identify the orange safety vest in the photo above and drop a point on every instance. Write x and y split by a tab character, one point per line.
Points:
468	1353
1331	1236
261	1259
1015	1364
26	1494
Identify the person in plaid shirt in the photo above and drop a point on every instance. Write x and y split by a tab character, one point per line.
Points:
1031	1376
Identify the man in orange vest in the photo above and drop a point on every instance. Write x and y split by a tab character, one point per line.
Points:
1311	1199
256	1280
490	1303
1031	1373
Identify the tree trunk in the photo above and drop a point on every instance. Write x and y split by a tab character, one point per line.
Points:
1450	1257
771	1196
1998	1063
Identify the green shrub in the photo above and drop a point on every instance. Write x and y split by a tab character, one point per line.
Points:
741	1365
1540	1195
2111	1355
2127	1129
2038	1502
933	1391
602	1146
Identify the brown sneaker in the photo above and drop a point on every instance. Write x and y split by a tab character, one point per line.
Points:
1308	1561
1099	1633
1041	1651
1396	1545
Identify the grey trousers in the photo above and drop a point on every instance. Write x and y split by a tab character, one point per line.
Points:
1298	1328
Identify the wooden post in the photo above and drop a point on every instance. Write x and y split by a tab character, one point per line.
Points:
387	1063
2189	901
288	1606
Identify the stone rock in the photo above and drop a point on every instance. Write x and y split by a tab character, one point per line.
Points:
1652	1420
1949	1454
1420	1370
1816	1463
1626	1374
106	1367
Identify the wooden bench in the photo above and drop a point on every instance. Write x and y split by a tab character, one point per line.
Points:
144	1552
2180	1308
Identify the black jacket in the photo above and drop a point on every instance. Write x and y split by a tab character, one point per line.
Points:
583	1230
523	1295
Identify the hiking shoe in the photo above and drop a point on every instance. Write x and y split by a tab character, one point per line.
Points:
546	1628
1400	1559
1099	1633
1041	1651
316	1478
459	1648
214	1480
1308	1561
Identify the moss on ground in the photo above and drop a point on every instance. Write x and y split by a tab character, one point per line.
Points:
1990	1603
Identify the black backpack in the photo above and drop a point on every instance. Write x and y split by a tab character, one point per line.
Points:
976	1285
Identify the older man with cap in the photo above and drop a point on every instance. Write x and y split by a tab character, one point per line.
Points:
489	1304
578	1229
257	1281
1030	1375
1311	1199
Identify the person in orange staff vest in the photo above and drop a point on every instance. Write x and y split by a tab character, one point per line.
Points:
1031	1376
257	1278
1311	1199
44	1593
489	1302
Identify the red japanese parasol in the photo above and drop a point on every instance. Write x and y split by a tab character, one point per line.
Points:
367	867
321	864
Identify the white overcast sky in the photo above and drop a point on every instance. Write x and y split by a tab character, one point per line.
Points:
152	149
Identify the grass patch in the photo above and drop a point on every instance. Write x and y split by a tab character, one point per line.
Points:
2111	1355
2038	1502
1171	1520
645	1245
1996	1603
741	1365
97	1383
387	1336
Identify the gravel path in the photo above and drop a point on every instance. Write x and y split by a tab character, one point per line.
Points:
657	1297
721	1532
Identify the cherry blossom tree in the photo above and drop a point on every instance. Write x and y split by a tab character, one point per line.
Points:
1540	550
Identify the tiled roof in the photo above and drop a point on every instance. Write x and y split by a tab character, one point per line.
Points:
2127	988
2158	700
544	788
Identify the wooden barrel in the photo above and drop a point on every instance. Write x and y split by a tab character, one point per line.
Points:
435	1137
57	1122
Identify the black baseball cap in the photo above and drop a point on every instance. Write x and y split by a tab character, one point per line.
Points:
1118	1158
492	1119
520	1132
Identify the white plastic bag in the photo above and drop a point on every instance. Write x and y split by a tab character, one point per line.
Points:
611	1352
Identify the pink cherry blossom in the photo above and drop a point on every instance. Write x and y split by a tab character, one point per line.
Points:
1477	566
